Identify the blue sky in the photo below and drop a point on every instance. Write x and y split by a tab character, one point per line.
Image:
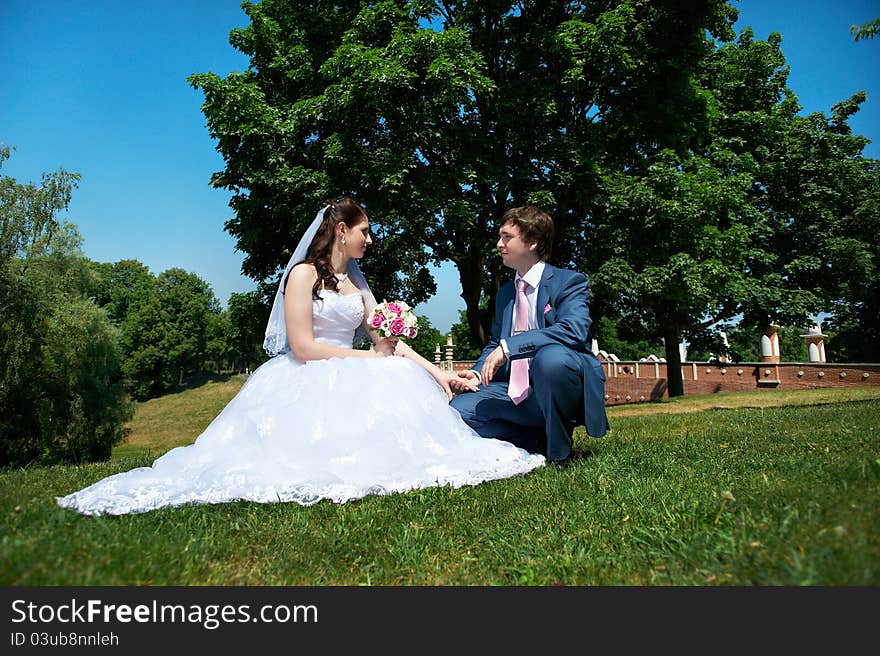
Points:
99	87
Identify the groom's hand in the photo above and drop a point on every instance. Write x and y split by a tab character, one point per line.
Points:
465	381
449	381
492	364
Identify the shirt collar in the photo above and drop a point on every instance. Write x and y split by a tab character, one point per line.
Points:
533	275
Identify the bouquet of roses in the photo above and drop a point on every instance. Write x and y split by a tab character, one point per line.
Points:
394	319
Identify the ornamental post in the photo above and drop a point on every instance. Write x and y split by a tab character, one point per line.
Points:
770	344
815	343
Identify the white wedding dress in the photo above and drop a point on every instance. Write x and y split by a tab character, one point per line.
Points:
336	429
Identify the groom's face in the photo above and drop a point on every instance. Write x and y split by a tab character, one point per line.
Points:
514	251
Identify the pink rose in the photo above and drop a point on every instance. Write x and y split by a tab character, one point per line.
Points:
395	308
398	327
376	321
411	334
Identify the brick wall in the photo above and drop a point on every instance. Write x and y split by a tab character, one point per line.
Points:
634	382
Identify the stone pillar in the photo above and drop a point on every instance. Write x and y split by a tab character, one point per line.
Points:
437	355
449	347
770	344
815	344
594	347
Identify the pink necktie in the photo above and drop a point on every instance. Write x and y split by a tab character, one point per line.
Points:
518	387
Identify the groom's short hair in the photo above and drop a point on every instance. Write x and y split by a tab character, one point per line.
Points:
535	226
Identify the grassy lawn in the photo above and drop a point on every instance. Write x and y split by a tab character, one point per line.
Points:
755	488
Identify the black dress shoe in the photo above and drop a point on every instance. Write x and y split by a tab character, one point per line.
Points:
565	463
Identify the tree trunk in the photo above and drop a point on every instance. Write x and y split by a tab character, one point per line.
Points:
469	273
671	339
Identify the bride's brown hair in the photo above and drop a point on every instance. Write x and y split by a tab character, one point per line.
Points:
343	209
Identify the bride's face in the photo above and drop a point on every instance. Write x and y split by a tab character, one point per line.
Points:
357	238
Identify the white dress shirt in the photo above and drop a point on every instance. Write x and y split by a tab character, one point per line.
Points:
533	278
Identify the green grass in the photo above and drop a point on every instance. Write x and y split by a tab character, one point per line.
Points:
741	489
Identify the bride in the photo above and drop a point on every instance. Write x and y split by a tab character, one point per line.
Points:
320	420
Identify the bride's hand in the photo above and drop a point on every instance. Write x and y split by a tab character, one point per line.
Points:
466	381
386	346
450	381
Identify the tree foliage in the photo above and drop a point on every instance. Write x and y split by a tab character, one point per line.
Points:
61	392
672	155
425	343
744	345
218	341
165	331
867	30
613	338
462	340
248	316
756	225
117	284
440	115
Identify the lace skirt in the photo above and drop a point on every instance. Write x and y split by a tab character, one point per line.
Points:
337	429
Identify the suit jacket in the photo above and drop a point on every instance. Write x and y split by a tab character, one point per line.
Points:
563	317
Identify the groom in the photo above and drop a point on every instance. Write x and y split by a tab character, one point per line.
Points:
538	378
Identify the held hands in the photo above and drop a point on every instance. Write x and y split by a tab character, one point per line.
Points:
464	381
494	361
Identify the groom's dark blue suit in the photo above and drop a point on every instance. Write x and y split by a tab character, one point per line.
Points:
566	381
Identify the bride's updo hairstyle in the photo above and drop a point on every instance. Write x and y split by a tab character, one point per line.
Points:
343	209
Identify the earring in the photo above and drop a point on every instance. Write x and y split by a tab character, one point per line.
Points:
343	240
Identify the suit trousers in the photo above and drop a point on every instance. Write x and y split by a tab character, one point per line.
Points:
545	420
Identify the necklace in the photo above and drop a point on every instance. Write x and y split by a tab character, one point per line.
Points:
341	277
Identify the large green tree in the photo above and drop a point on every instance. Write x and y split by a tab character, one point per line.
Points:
218	341
247	317
674	269
61	392
765	219
440	115
166	329
825	199
672	157
117	282
817	196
